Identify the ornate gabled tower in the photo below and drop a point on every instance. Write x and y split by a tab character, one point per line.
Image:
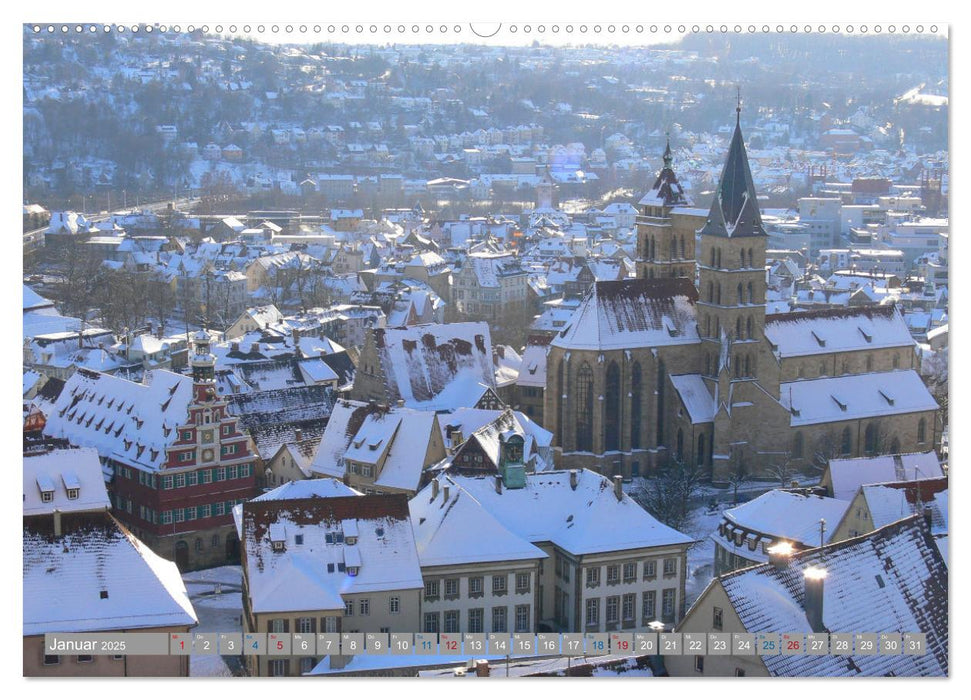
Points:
664	249
731	272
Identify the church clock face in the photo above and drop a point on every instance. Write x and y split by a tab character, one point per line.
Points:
207	455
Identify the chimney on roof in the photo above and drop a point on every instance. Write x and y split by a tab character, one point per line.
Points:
445	493
498	484
814	579
254	348
234	346
573	479
295	334
400	403
482	668
434	489
779	554
619	487
927	516
297	435
58	530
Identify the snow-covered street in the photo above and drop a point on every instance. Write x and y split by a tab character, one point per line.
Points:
216	597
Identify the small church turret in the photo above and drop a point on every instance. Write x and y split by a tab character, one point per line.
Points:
664	249
203	364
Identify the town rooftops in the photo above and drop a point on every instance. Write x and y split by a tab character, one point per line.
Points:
64	480
633	313
890	580
98	577
854	396
347	545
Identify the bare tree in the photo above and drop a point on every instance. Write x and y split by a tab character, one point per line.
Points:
668	495
782	469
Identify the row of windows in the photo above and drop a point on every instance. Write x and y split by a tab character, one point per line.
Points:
872	440
617	608
449	621
207	510
205	476
627	572
613	394
476	586
746	258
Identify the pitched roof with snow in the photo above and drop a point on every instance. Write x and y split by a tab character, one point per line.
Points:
436	365
848	475
123	420
59	470
258	409
532	372
300	577
890	502
633	313
890	580
457	529
785	515
854	396
368	433
308	488
98	577
837	330
572	519
696	398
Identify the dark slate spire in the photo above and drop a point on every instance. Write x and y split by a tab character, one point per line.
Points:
734	209
667	191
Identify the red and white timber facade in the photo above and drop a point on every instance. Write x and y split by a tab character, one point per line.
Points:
183	509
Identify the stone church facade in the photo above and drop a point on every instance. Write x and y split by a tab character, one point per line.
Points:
681	364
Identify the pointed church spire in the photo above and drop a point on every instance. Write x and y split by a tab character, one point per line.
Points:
667	151
667	191
734	209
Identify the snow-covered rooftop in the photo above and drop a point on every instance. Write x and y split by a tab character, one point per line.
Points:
695	396
837	330
98	578
788	516
848	475
56	472
890	580
850	397
572	519
313	575
633	313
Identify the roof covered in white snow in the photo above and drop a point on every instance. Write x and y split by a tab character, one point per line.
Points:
58	471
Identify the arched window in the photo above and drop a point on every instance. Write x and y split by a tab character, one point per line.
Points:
584	422
660	403
870	440
711	291
739	292
741	254
560	399
895	446
738	328
748	327
719	294
751	295
738	366
636	396
750	258
712	258
671	248
679	451
653	248
922	430
748	365
797	445
719	258
700	457
682	247
846	444
707	326
612	408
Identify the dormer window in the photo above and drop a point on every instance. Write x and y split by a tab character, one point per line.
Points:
72	494
353	570
351	541
298	539
46	496
278	546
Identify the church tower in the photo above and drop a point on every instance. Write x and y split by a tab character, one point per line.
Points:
731	272
664	249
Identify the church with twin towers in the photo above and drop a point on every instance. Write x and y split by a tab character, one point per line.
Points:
681	364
